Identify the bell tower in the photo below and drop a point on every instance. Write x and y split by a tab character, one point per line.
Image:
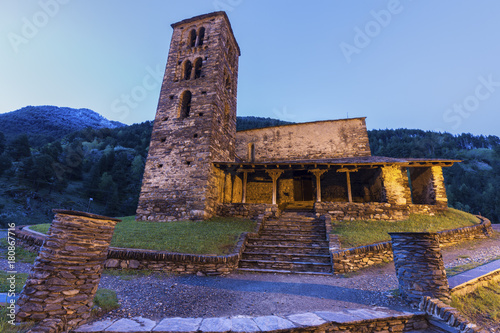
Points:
195	122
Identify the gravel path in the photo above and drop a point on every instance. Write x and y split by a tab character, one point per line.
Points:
159	295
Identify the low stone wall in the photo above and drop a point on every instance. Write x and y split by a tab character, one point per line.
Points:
447	318
248	210
180	263
341	211
344	261
357	258
471	285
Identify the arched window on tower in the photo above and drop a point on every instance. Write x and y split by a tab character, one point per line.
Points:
186	70
192	38
201	36
197	68
228	83
185	104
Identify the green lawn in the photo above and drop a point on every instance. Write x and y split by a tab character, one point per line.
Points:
358	233
214	236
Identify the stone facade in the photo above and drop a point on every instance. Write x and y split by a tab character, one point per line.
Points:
315	140
60	289
419	266
195	122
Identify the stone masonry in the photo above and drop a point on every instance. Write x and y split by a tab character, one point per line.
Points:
61	286
195	122
315	140
419	266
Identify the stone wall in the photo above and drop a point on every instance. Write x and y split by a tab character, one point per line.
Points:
60	288
306	141
353	259
341	211
344	261
444	317
250	211
420	266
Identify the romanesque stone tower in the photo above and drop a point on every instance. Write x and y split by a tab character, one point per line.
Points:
195	122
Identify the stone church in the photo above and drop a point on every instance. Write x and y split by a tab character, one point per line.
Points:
199	166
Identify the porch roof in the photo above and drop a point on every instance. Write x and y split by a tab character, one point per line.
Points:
343	163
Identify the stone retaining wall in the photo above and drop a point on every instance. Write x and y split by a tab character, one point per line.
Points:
341	211
447	318
471	285
248	210
344	261
180	263
357	258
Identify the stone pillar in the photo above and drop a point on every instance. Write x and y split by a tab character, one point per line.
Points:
274	174
396	188
439	188
419	266
62	284
318	173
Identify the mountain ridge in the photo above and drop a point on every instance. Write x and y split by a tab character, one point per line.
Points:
51	121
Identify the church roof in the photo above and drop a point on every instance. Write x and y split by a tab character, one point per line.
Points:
347	162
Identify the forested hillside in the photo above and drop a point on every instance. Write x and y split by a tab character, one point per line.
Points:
100	170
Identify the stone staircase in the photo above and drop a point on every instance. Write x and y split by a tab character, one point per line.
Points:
295	243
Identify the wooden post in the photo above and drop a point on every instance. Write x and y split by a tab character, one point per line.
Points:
318	173
244	187
274	174
349	192
244	184
348	179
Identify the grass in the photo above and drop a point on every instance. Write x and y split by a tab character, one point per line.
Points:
43	228
215	236
4	283
22	255
358	233
106	299
481	306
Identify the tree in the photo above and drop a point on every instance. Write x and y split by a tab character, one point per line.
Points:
20	148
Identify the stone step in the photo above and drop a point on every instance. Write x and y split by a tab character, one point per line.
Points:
271	224
300	257
288	242
278	271
295	266
295	229
298	249
292	236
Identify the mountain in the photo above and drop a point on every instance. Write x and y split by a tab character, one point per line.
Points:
50	121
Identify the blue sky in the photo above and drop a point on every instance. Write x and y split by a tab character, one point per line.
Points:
431	65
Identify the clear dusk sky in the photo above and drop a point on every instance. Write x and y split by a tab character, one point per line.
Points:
426	64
